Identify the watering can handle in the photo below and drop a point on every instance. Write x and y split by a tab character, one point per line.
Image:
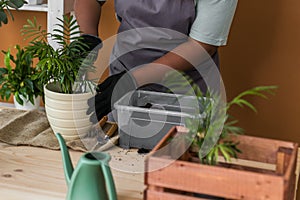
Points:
110	185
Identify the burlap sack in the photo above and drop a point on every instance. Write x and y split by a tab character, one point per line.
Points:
18	127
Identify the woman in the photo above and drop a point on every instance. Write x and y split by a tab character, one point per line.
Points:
185	31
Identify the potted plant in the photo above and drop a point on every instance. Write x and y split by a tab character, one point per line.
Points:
265	168
61	75
21	80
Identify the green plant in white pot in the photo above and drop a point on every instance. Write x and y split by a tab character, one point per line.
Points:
20	78
61	70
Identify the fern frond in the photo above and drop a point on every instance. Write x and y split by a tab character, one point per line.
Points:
256	91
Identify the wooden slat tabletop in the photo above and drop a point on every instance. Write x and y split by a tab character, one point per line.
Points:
37	173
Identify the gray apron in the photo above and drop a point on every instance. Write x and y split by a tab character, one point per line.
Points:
148	30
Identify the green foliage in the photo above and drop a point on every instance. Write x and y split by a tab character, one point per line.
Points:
257	91
227	149
225	146
64	64
21	79
5	6
206	128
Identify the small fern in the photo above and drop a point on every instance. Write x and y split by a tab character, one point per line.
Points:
66	63
205	129
256	91
225	146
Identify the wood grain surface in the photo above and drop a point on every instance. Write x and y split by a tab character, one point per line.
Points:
37	173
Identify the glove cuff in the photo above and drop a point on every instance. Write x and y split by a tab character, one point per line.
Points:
92	41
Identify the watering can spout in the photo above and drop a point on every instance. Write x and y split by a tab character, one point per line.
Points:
67	163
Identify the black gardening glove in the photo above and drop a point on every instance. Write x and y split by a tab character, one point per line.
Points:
91	48
108	92
92	42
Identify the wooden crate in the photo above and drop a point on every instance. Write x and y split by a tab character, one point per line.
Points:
265	170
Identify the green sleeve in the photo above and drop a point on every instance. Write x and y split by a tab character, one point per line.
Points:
213	21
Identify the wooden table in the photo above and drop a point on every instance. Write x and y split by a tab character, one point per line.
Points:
36	173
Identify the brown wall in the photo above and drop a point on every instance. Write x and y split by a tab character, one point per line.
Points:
10	34
108	24
262	50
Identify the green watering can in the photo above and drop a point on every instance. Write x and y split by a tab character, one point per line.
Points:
92	178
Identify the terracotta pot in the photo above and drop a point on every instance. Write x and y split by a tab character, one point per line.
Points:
67	112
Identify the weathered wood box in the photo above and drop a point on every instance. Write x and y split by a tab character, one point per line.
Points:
265	170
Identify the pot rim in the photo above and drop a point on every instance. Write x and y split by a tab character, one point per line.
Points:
62	96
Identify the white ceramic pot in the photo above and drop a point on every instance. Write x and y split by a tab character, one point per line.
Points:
35	2
66	113
27	105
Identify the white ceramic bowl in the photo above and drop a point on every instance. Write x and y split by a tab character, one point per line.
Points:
35	2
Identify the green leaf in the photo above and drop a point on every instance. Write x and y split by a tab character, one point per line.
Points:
29	84
216	155
31	99
10	14
3	17
209	157
256	91
7	92
19	100
15	3
225	153
7	59
3	71
242	102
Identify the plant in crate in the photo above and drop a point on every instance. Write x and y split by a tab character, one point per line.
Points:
20	78
62	74
206	129
265	168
